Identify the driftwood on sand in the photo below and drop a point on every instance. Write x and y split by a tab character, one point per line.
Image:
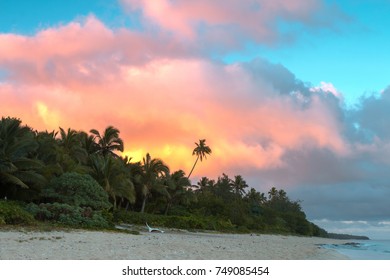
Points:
154	229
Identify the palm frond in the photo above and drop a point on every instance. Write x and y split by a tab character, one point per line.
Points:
11	179
26	163
30	177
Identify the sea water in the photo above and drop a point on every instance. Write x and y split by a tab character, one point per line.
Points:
363	249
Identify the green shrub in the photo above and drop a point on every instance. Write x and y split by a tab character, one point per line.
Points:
190	222
12	213
256	223
78	190
108	216
181	222
243	229
70	215
179	210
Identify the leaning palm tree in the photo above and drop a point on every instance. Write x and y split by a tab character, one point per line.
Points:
201	150
152	172
109	142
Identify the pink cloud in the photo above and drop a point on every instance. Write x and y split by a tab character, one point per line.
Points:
57	42
227	20
85	75
84	52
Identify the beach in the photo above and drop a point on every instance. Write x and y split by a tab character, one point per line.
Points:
170	245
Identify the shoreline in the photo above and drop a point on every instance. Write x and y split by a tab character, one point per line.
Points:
363	249
171	245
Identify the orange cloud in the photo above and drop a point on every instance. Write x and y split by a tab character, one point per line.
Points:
162	105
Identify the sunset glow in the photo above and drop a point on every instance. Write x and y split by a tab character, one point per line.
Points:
181	71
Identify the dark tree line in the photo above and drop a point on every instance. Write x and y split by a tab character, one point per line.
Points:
70	175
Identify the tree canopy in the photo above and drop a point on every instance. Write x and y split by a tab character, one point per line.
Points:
73	177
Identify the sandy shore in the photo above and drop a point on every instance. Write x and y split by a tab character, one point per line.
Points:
180	245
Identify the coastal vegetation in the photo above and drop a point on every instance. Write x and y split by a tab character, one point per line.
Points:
79	179
347	236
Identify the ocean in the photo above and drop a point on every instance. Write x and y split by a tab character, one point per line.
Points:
364	249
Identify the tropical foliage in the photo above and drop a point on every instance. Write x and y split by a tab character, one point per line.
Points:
153	170
108	142
12	212
201	151
18	168
80	179
76	189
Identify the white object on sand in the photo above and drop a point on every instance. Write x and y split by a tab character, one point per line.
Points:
154	229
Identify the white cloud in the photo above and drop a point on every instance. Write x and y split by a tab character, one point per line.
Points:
328	88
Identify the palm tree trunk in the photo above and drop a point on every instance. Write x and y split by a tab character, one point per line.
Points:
193	167
114	198
167	208
143	205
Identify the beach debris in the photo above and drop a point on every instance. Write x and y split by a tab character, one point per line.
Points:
123	226
154	229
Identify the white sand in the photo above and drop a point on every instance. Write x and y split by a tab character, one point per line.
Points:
92	245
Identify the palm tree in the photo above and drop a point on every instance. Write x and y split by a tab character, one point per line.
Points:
272	193
239	185
278	199
134	172
109	142
255	201
71	142
47	146
50	153
201	150
152	172
205	185
224	187
88	143
177	184
255	197
113	176
18	168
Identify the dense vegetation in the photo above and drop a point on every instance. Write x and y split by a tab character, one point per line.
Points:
77	178
347	236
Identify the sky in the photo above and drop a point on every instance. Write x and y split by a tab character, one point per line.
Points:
293	94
